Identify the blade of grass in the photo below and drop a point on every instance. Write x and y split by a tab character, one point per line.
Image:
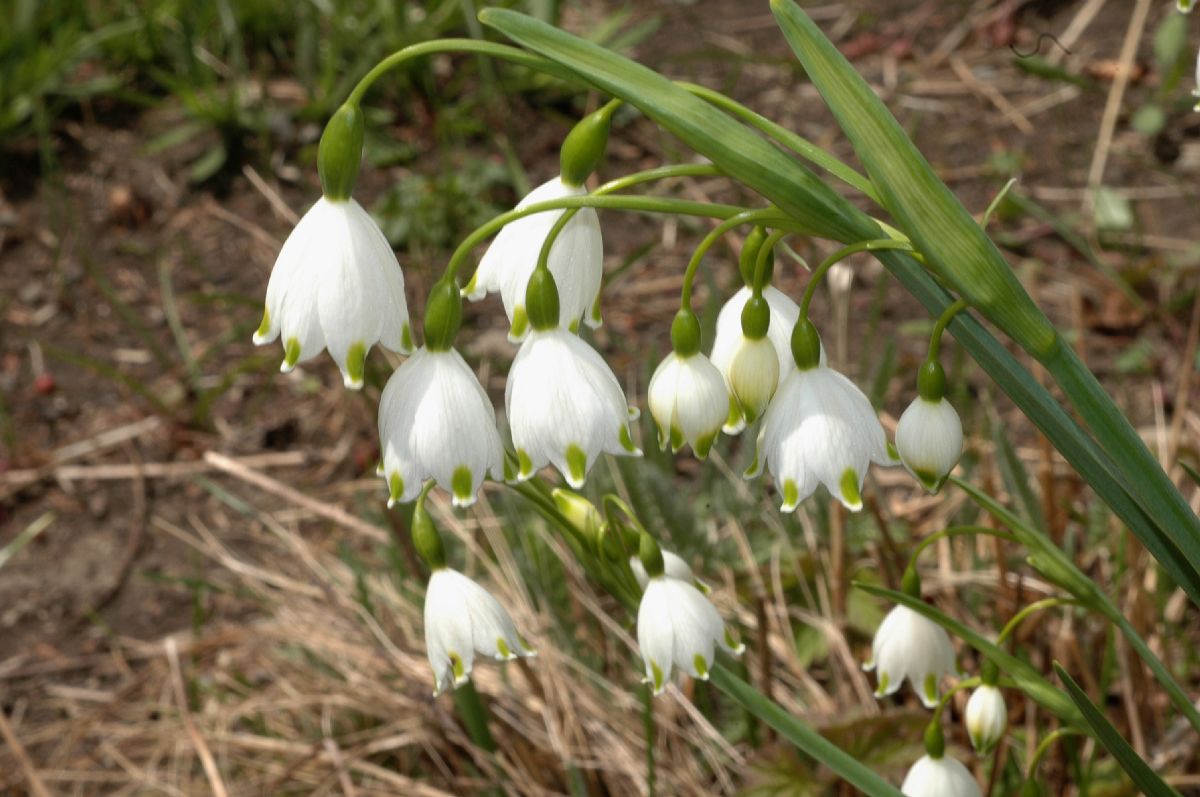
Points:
1138	770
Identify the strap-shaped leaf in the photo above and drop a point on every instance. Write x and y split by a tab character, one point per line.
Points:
1138	770
1027	678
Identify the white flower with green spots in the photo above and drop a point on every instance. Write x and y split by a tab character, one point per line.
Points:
565	407
462	619
986	718
939	777
729	340
576	261
436	422
336	285
819	429
689	402
909	645
929	439
677	626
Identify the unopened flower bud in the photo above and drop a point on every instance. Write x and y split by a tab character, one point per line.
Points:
986	718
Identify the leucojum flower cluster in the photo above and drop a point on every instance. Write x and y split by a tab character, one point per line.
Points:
337	286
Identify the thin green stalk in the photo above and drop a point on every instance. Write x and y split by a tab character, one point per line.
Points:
840	255
1031	609
764	254
801	734
1044	747
939	326
619	184
764	216
957	531
642	204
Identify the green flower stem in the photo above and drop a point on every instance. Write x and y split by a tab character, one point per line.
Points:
474	716
1033	608
642	204
764	255
1044	747
619	184
802	735
935	338
767	216
840	255
957	531
796	143
944	700
501	51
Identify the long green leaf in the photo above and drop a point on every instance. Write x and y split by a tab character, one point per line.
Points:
1027	678
801	735
1138	770
958	250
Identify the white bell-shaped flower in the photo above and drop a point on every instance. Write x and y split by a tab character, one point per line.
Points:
819	429
729	340
436	422
337	285
909	645
986	718
576	261
565	406
674	566
939	777
462	619
677	626
929	438
689	402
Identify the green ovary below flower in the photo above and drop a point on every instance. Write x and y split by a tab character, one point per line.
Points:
336	285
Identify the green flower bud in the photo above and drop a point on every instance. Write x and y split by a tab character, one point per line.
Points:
584	146
989	673
443	314
685	333
935	741
426	538
910	582
931	381
580	512
609	544
651	556
541	300
748	260
340	152
756	318
806	345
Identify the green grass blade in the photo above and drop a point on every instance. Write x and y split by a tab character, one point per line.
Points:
1030	681
1137	769
803	736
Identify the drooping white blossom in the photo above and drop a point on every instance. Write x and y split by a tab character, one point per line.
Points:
565	406
986	718
677	626
462	619
336	285
436	422
729	340
689	401
929	438
939	777
909	645
576	260
820	429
